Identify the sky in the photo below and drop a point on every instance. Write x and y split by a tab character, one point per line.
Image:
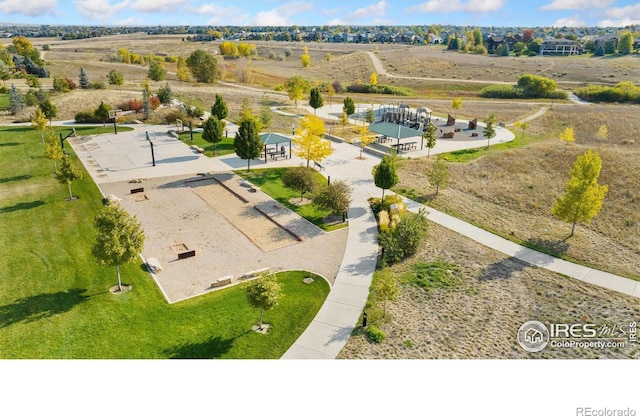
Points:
519	13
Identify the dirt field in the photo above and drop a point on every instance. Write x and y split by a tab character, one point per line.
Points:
480	320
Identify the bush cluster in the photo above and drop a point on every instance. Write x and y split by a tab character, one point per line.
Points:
529	86
379	89
374	334
403	240
623	92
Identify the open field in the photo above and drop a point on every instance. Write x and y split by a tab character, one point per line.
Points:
512	192
480	318
55	300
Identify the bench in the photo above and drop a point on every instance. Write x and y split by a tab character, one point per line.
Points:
186	254
318	165
254	188
254	273
223	281
154	265
474	134
137	190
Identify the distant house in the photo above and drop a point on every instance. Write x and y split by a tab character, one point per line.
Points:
493	41
560	46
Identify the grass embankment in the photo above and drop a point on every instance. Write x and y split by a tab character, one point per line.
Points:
54	298
270	182
225	147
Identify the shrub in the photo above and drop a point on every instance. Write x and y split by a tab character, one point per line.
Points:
61	85
132	105
171	117
374	334
72	85
377	205
383	221
337	87
379	89
287	52
599	51
501	91
623	92
97	85
154	102
404	240
86	116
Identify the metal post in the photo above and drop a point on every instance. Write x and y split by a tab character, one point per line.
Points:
191	129
153	157
115	126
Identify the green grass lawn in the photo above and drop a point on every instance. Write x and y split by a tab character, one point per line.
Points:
4	101
225	147
468	155
55	300
270	182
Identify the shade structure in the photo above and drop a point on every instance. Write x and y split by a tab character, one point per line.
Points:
275	140
396	131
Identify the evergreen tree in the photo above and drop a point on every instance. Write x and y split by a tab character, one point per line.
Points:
16	101
146	104
247	143
583	197
385	175
349	106
165	95
315	99
84	80
219	108
212	131
49	110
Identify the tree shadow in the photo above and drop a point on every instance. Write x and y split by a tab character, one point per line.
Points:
21	206
40	306
15	178
213	347
536	252
10	144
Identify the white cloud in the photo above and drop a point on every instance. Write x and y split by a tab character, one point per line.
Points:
576	4
221	15
373	10
446	6
573	21
280	16
29	7
99	9
159	5
621	16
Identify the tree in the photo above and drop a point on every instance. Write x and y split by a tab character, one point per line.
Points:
39	122
119	240
373	79
365	139
263	293
165	94
369	115
439	175
203	66
349	106
536	86
212	131
567	136
456	104
603	133
625	44
300	179
315	99
309	142
84	79
386	289
527	35
335	197
296	87
115	78
431	137
503	50
265	111
344	120
157	71
68	173
247	143
53	150
102	112
146	105
229	49
489	130
477	37
16	101
219	108
385	175
583	197
522	125
49	110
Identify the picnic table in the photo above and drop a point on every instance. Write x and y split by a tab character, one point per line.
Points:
382	139
404	146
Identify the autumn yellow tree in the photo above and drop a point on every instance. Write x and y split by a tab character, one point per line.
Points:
567	136
456	104
309	140
603	133
305	58
366	138
373	80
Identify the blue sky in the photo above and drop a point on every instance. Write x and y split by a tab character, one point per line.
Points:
326	12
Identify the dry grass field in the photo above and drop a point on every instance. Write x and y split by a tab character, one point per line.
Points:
512	192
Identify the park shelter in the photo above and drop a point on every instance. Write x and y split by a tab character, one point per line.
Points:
396	131
274	143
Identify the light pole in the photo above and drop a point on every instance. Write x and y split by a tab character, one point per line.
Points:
153	157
